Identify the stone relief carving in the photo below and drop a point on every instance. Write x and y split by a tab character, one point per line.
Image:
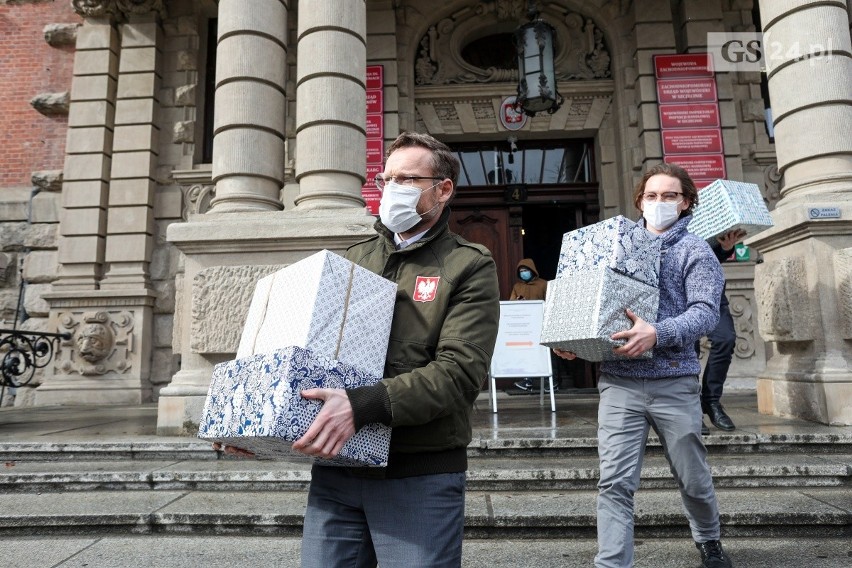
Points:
843	274
772	185
141	6
220	300
101	8
785	309
581	51
100	343
742	313
94	8
197	198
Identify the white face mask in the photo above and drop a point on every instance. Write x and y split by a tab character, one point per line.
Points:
661	215
398	207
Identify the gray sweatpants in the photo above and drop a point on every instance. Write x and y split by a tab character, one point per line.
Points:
628	408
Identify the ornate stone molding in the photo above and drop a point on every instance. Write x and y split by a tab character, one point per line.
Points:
773	181
197	188
106	8
101	342
741	311
140	7
94	8
457	109
582	52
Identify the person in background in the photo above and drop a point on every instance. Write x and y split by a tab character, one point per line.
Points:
529	287
723	339
661	392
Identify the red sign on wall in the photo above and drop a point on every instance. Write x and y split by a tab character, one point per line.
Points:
699	115
692	141
710	166
375	77
375	129
686	91
683	65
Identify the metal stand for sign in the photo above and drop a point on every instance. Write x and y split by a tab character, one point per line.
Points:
518	353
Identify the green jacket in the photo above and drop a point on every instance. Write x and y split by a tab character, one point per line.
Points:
441	341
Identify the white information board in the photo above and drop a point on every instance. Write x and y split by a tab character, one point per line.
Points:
518	352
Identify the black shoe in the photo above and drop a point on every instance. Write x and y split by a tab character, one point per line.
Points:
555	388
719	417
705	431
712	555
525	385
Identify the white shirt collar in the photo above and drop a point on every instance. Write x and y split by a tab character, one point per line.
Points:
401	244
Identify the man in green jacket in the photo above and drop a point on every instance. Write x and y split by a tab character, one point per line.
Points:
442	338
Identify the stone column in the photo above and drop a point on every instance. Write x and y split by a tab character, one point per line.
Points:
331	140
803	287
88	152
250	113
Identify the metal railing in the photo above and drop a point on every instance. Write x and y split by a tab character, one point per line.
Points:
22	353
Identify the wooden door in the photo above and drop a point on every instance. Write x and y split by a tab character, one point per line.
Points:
490	227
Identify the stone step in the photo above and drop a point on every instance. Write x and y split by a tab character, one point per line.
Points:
522	444
493	474
226	551
766	512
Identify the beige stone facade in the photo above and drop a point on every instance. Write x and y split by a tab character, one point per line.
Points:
152	248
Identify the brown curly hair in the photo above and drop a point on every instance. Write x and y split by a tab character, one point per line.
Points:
690	192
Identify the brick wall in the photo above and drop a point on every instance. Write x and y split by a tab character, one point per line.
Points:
30	141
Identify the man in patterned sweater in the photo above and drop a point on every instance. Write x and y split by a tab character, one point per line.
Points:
662	392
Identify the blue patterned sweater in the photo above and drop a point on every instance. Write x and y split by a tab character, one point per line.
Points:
691	282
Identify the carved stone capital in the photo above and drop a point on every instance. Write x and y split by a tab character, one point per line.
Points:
94	8
141	7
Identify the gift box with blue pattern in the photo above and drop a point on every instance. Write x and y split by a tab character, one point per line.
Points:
254	403
324	303
725	206
584	308
618	243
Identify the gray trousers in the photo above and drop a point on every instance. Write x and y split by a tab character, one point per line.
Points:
628	408
352	522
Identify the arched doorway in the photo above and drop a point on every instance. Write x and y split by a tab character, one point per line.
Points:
518	200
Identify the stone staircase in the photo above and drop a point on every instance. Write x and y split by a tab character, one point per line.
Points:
519	486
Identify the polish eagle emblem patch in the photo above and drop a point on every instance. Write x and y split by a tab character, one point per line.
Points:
425	288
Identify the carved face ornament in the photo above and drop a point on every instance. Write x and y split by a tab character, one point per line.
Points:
94	342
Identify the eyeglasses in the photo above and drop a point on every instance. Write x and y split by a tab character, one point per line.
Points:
667	197
381	180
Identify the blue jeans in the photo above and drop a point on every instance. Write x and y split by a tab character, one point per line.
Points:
628	408
353	522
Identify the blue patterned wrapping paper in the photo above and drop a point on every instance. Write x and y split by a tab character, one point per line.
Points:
254	403
324	303
618	243
725	206
584	308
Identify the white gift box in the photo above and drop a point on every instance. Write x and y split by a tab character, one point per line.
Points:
725	206
618	243
324	303
585	308
255	404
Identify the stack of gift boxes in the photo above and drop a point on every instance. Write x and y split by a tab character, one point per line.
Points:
603	269
322	322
